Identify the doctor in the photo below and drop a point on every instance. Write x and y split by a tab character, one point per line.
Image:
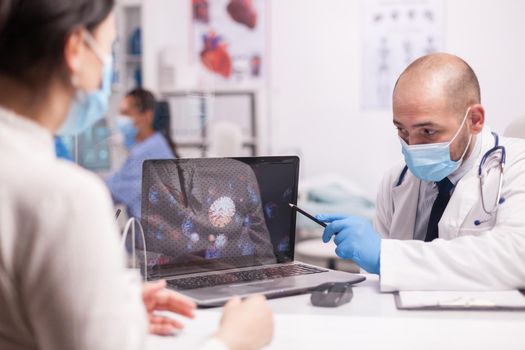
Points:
436	228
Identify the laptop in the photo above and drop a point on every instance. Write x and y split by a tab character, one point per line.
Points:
220	227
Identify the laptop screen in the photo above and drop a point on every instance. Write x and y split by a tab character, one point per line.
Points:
218	213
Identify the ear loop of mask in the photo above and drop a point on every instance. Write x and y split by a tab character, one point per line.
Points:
130	224
457	133
466	148
461	127
92	43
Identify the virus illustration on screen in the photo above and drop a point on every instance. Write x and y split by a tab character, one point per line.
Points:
254	196
221	212
160	233
221	241
238	219
211	253
153	195
187	226
172	201
247	247
270	209
247	223
287	194
194	237
284	245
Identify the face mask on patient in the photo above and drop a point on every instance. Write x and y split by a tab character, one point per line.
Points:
88	107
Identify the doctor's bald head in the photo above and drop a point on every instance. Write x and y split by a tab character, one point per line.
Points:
436	98
438	79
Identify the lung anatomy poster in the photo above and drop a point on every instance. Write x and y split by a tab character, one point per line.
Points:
395	33
229	41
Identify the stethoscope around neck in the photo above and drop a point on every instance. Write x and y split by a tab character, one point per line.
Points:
491	208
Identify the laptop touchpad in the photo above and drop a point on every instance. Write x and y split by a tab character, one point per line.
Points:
260	286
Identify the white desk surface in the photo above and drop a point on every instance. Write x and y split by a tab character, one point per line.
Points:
369	321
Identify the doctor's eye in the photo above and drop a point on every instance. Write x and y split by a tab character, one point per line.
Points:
428	132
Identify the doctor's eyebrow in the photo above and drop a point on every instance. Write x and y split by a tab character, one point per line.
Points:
424	125
419	125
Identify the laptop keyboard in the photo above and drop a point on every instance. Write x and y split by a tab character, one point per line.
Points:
243	276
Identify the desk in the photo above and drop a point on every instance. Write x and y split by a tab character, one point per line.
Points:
369	321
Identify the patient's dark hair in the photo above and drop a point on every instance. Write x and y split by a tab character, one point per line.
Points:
145	101
33	34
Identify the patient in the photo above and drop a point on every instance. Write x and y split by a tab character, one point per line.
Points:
63	282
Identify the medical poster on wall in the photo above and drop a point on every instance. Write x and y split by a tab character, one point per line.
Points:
395	33
229	41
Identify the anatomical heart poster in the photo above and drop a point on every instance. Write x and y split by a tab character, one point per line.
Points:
229	41
395	33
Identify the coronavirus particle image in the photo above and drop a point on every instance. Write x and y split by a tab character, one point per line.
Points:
221	212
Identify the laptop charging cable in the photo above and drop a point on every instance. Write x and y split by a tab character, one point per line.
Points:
130	226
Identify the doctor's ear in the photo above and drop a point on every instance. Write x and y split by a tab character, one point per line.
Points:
74	52
477	118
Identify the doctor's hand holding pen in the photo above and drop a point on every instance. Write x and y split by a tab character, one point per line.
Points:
245	324
355	238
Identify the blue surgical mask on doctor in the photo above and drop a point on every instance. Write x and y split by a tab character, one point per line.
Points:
88	107
432	162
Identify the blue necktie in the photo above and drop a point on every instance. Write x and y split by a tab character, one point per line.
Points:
444	188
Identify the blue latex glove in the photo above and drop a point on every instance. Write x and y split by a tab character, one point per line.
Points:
355	238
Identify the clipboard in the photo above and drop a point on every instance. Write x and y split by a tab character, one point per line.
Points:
512	300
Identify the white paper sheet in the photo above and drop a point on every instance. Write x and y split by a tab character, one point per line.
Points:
506	299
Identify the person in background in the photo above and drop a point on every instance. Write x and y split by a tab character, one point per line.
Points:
63	281
146	136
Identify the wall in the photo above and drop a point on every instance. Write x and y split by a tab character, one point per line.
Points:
314	85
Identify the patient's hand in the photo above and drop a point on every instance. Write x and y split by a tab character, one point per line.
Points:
157	298
246	325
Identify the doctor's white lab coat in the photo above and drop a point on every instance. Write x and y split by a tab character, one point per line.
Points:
487	256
